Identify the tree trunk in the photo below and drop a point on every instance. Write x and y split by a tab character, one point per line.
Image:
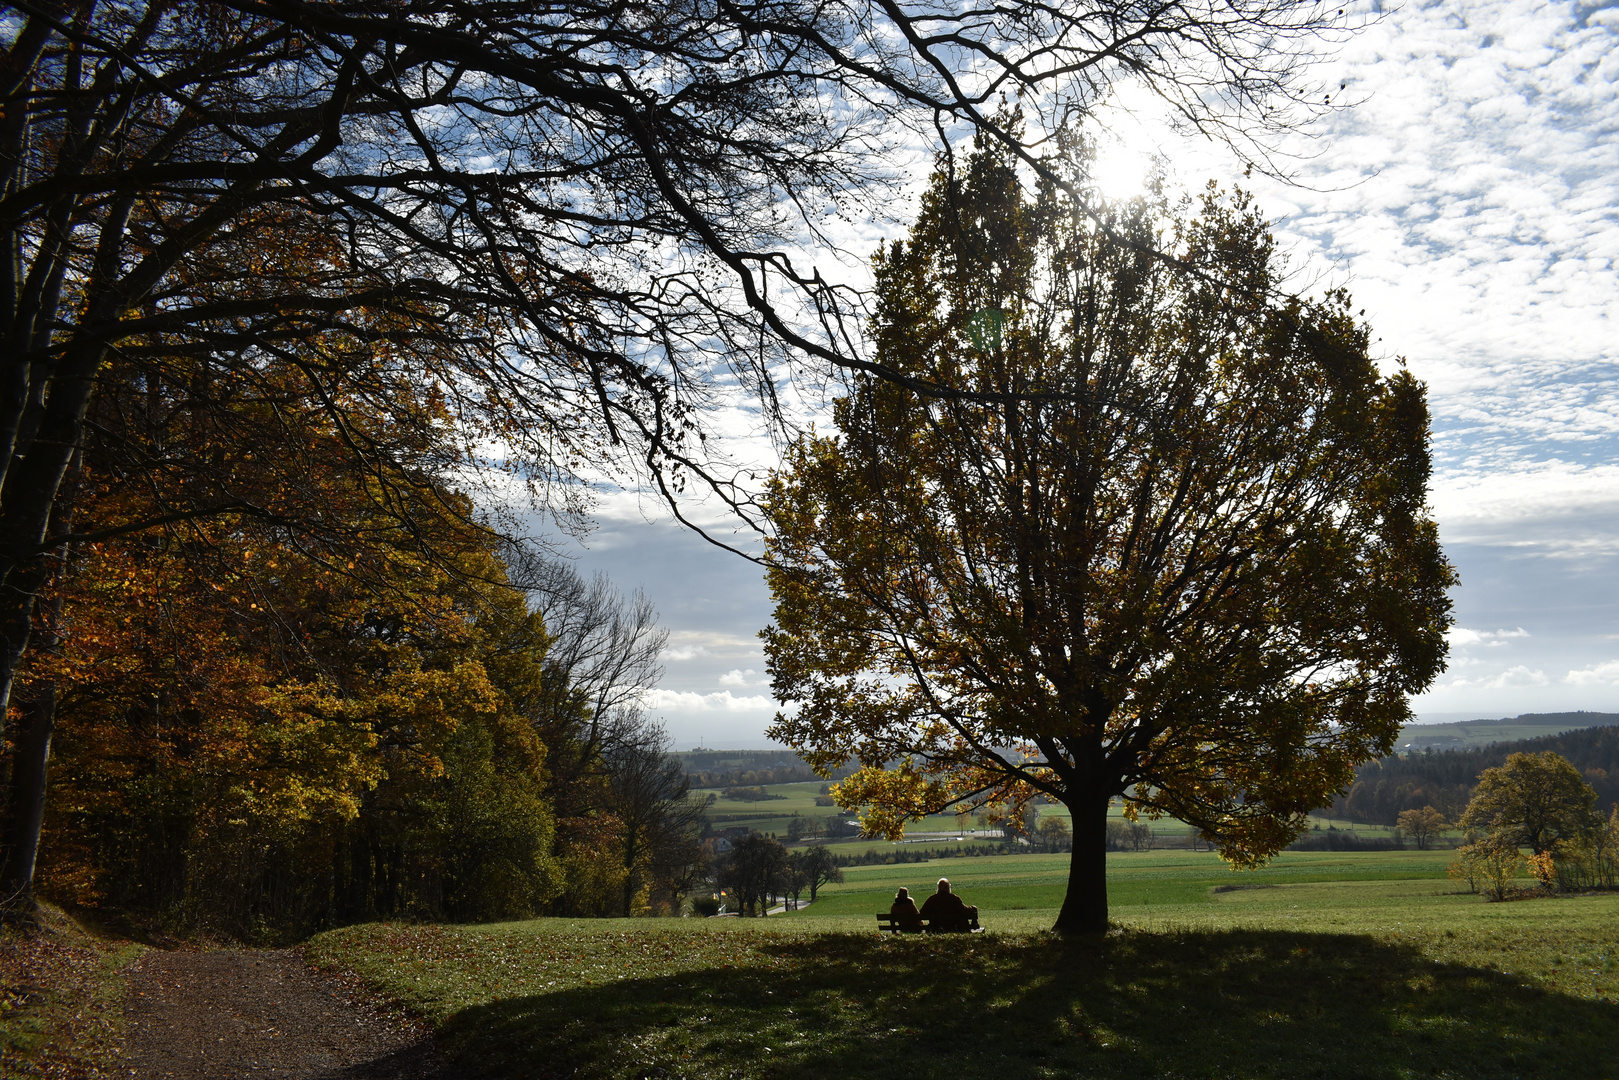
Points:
631	854
1084	909
28	504
27	809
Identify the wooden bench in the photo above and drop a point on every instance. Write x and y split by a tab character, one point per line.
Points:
892	925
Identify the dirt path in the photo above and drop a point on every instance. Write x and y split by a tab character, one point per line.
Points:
227	1014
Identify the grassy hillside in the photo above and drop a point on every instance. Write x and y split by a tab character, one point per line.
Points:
1465	734
1337	966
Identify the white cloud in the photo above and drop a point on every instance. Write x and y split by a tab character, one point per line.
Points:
737	677
1517	677
1468	201
1514	677
705	644
723	701
1600	675
1559	507
1461	638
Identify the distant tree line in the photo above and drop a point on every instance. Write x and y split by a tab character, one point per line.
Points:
1445	779
738	778
723	777
900	856
1341	840
749	794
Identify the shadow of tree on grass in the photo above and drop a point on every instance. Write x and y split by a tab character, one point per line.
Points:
1216	1004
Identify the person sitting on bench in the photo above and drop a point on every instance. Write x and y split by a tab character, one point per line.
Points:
904	912
945	912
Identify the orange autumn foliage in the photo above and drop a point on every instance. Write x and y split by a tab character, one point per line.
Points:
248	701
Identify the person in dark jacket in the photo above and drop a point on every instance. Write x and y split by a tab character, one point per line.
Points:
904	911
945	912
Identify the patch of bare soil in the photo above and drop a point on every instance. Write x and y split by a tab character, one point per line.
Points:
231	1013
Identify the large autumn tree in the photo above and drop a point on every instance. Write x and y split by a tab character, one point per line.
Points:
1168	542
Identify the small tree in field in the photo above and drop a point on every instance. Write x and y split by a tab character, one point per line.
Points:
816	864
1492	862
1147	533
1464	867
1421	825
1054	833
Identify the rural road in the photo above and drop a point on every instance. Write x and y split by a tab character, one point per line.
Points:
227	1014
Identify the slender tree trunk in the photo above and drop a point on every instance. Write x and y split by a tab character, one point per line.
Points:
1084	909
27	809
632	852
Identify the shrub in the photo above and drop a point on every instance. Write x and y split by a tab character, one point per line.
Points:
1592	861
1544	869
1464	868
1492	862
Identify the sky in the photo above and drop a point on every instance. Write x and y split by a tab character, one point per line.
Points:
1469	199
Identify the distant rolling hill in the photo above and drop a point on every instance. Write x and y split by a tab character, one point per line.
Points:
1444	778
1470	733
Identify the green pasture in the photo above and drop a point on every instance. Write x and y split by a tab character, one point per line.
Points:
771	815
796	798
1182	884
1322	965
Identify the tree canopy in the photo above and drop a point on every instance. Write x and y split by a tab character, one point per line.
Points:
1421	824
1171	542
1536	800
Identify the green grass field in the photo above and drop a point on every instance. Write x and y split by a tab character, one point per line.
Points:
1160	884
771	815
1322	965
